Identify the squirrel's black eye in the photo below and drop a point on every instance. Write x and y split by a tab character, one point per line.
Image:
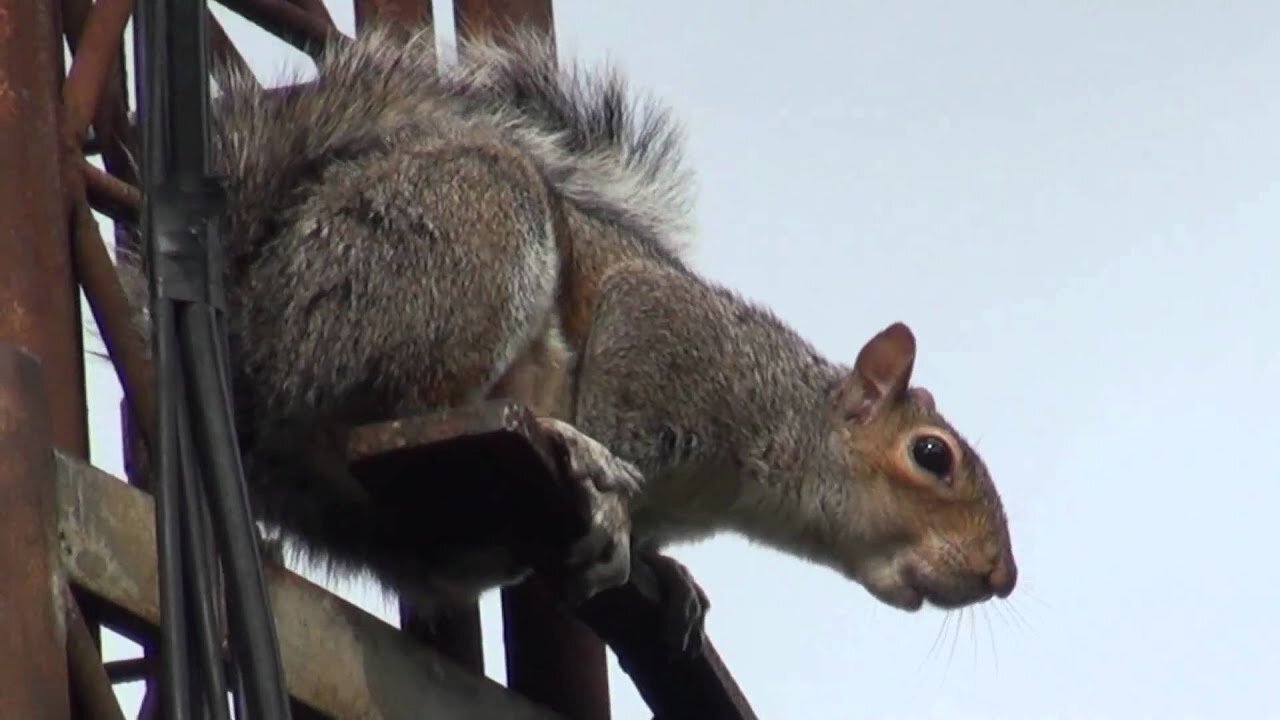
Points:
933	454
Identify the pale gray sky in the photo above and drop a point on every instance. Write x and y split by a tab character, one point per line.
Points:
1075	205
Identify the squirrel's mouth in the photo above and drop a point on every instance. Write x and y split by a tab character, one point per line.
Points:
949	594
909	582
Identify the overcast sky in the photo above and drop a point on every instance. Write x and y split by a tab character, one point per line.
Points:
1075	206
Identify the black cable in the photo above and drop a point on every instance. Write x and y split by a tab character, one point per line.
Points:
199	567
253	632
196	512
174	668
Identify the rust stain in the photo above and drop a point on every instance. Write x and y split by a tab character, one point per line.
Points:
8	100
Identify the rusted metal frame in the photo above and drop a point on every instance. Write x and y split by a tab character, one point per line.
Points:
407	15
149	708
110	195
39	301
631	619
316	8
33	666
94	96
111	310
112	135
339	659
88	676
97	48
553	658
130	670
223	51
473	17
287	21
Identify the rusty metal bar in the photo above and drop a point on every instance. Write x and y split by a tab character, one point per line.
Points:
338	659
130	670
39	301
99	45
316	8
222	49
552	658
93	95
288	22
112	135
112	313
472	17
149	708
110	195
403	14
630	619
33	667
88	676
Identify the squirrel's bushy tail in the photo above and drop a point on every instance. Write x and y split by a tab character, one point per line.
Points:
613	155
609	153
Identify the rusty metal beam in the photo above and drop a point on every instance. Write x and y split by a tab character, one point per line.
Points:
316	8
110	195
338	659
474	17
130	670
630	619
33	666
222	49
402	14
112	313
287	21
112	134
98	46
39	300
553	658
88	676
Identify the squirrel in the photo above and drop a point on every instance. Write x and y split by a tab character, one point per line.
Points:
405	234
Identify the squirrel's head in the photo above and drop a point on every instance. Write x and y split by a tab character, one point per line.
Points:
923	521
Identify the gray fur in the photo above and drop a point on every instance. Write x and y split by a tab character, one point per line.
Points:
611	155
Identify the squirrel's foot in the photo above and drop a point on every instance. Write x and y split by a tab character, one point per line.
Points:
602	558
684	605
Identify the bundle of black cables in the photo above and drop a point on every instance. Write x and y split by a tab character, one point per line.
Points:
205	532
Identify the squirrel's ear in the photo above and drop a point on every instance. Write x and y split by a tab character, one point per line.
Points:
881	373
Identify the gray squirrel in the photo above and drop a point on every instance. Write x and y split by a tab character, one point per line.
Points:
405	234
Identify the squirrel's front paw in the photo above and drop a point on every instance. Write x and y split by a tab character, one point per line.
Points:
602	558
684	604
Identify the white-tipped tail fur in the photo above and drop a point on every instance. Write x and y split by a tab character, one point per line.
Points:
613	155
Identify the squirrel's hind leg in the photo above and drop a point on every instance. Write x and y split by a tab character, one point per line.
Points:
399	283
404	282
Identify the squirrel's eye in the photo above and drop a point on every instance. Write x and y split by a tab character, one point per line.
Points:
933	454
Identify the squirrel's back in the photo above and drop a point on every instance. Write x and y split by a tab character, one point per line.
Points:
395	242
611	156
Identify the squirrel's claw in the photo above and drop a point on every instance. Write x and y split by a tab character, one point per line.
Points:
684	605
602	558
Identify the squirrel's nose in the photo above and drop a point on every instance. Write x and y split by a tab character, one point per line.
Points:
1004	576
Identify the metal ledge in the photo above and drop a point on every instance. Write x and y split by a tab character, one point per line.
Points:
338	659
